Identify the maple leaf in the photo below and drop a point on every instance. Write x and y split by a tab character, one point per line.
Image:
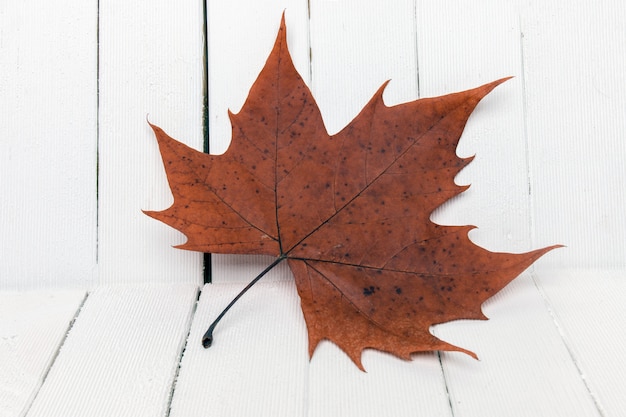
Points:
349	212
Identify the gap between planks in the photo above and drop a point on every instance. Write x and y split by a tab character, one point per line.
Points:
182	353
69	329
55	355
568	346
445	382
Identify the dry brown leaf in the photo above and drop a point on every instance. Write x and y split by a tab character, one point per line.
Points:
349	212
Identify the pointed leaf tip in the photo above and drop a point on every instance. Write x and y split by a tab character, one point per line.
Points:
351	213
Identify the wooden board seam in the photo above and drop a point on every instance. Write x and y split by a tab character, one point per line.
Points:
182	353
568	346
55	355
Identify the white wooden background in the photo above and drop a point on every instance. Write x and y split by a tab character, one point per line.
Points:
98	313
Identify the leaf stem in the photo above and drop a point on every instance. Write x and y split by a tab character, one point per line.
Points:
207	339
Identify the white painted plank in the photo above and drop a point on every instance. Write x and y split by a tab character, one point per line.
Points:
151	62
121	356
588	305
48	90
390	387
258	362
574	74
355	49
463	45
240	37
524	367
241	34
32	327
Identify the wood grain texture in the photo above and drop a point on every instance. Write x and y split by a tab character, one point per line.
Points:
574	63
258	362
592	328
390	387
48	110
121	356
150	64
462	45
523	367
33	326
356	49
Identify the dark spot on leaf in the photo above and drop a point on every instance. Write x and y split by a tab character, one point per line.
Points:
414	177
